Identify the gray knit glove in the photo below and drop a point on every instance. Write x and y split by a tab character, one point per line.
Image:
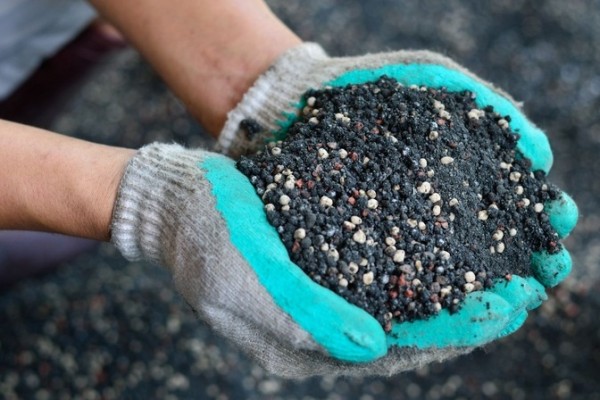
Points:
195	213
273	104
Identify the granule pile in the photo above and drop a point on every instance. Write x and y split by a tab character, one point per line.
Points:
402	199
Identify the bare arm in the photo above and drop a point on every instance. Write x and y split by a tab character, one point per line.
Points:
209	52
50	182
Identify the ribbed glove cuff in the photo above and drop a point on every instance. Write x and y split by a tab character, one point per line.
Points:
157	182
274	93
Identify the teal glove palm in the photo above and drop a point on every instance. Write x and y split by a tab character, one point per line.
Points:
274	102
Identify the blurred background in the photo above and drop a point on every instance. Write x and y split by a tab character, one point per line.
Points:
100	327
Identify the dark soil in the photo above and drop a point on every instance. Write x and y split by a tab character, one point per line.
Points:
403	200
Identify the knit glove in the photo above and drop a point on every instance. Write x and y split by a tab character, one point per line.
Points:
195	213
274	102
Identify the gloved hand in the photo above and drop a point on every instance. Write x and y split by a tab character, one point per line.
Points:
274	102
195	213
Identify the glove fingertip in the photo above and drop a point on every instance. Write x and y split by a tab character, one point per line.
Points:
533	144
514	325
551	269
540	293
480	320
521	293
563	214
366	341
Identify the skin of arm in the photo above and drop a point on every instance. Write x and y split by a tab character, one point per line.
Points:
54	183
208	52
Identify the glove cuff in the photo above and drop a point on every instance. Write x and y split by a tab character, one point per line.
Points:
272	96
155	186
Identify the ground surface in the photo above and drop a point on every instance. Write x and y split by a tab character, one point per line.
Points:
101	327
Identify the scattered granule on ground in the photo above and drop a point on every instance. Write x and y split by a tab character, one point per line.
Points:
402	200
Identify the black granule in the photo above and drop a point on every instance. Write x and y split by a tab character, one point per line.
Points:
402	200
250	127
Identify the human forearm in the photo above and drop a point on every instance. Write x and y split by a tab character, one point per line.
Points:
54	183
209	52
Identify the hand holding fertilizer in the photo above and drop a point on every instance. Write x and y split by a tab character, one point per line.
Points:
396	213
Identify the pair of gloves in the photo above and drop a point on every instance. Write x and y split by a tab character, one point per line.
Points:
195	213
